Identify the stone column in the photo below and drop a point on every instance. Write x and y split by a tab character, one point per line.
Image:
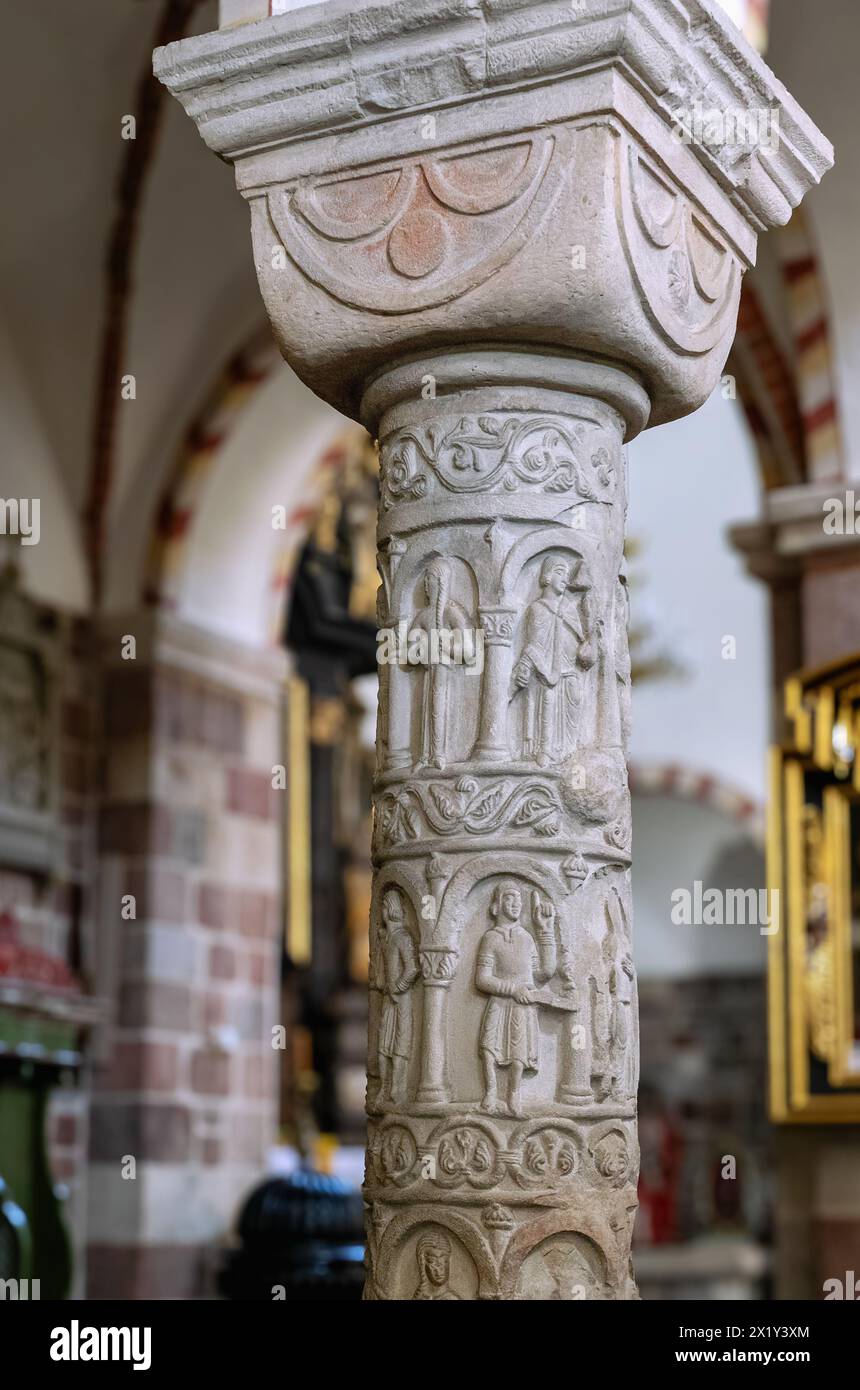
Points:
507	237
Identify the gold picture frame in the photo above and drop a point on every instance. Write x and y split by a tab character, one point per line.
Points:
814	868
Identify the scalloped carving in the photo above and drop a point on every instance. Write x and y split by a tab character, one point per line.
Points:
688	279
395	241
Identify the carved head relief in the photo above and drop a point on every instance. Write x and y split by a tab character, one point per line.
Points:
507	902
440	1270
392	915
555	574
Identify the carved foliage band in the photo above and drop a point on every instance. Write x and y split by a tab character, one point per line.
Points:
497	452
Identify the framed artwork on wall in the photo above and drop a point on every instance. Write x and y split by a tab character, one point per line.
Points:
814	869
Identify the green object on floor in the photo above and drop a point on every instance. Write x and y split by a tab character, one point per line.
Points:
34	1242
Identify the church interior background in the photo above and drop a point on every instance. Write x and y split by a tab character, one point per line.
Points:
188	697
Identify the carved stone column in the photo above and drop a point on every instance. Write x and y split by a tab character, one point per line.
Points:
502	236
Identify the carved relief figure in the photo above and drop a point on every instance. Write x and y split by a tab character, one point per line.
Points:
442	613
383	703
621	651
601	1017
510	967
433	1253
621	978
612	1011
614	670
558	646
571	1274
396	972
563	1269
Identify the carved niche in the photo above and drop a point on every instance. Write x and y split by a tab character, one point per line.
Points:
567	1267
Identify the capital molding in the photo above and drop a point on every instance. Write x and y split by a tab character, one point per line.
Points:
793	530
498	171
350	63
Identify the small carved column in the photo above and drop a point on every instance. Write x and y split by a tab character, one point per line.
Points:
491	236
437	971
497	631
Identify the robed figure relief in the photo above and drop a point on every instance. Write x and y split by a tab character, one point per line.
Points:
558	647
613	677
621	987
621	652
442	614
600	1008
612	991
510	968
396	970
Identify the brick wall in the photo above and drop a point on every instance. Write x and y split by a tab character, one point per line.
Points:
190	830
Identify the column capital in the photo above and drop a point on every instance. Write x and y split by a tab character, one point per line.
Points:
590	177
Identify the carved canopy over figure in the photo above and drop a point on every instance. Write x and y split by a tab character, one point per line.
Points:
558	646
442	614
510	966
396	971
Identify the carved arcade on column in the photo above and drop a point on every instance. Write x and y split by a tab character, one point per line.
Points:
508	277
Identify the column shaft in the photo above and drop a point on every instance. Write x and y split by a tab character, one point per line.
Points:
504	1163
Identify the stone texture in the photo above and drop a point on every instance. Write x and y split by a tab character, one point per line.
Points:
476	230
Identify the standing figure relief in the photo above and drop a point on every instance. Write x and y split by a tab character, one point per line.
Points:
442	615
397	970
612	996
510	969
621	651
623	1069
559	646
